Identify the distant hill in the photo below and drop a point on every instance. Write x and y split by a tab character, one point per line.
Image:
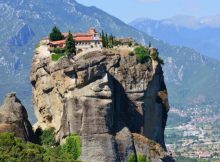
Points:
201	34
191	77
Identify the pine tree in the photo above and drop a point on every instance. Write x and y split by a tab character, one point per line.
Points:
55	34
111	41
70	46
106	40
103	39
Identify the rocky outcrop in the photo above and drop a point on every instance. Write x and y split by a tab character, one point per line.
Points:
14	118
104	96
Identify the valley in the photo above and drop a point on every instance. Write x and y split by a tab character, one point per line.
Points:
192	79
194	132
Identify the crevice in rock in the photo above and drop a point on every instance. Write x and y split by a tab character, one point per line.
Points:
124	110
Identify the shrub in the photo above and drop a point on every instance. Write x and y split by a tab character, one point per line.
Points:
47	137
142	158
58	50
132	158
72	146
130	44
142	54
6	140
16	150
138	158
56	57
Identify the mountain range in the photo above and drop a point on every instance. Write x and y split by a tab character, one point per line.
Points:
191	77
202	34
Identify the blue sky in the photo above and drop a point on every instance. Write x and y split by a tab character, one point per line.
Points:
128	10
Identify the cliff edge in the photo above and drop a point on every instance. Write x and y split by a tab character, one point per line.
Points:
117	106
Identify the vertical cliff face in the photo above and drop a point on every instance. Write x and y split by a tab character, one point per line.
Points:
117	106
14	118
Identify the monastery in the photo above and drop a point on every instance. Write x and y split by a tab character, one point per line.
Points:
90	39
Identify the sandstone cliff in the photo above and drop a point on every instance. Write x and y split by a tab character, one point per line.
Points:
14	118
111	101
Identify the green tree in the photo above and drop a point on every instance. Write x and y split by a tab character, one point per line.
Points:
70	45
111	41
14	149
106	40
55	34
47	137
103	39
72	146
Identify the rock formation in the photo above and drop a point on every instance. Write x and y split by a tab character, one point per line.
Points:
14	118
111	101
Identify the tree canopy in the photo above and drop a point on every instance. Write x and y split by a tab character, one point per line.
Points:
70	47
108	41
14	149
72	146
56	34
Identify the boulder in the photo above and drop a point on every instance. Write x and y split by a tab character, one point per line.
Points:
14	118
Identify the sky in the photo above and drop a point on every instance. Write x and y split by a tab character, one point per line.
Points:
128	10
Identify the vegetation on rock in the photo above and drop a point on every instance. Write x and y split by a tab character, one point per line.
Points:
138	158
72	146
47	137
56	56
155	56
70	46
142	54
108	41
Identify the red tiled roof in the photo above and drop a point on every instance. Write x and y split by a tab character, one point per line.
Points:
81	34
78	34
65	34
58	42
83	38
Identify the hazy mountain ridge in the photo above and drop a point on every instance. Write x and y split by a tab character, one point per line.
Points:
186	21
39	17
200	34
